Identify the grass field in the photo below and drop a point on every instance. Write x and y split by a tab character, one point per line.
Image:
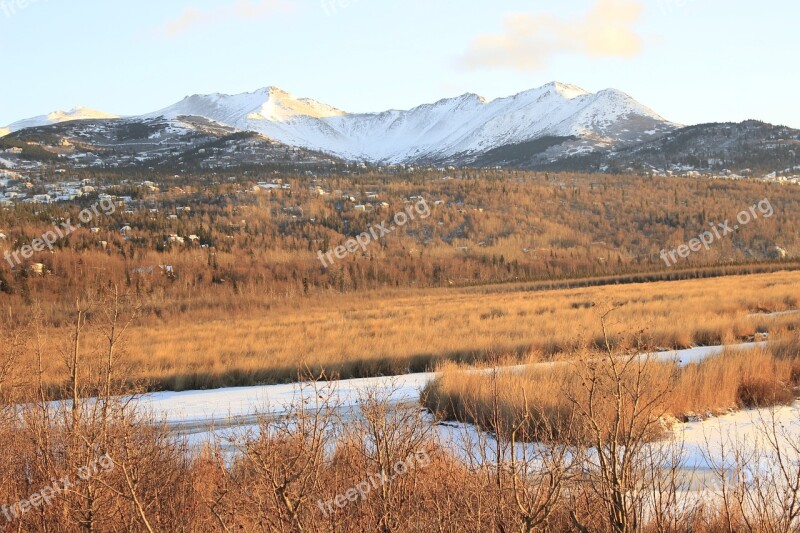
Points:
547	394
395	332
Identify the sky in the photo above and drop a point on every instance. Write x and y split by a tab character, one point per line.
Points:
692	61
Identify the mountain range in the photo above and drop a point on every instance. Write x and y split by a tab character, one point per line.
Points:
557	125
56	117
461	127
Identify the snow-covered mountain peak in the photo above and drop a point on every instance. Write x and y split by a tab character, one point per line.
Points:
620	99
468	97
266	104
551	95
465	101
56	117
273	89
459	128
566	90
78	113
282	106
451	127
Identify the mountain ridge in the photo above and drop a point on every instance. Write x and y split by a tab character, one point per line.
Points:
56	117
466	124
457	127
556	126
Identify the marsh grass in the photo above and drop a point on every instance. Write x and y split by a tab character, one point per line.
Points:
393	332
548	393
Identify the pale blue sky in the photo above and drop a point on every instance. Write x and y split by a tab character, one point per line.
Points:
690	60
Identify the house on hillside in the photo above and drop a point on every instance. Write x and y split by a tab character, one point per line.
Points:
167	270
778	253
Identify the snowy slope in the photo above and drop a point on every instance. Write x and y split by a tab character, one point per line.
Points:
269	104
56	117
453	129
456	126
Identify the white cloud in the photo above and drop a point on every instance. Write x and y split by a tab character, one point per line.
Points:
530	41
193	18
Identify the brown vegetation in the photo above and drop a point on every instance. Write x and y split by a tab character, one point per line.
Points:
489	227
509	262
255	306
549	393
219	343
315	468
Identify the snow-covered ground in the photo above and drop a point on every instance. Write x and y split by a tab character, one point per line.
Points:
711	443
224	408
703	446
197	412
709	449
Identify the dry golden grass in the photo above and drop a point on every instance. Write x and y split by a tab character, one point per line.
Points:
547	393
199	344
735	379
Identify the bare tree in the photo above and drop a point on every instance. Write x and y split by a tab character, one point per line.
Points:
280	470
383	435
538	471
620	409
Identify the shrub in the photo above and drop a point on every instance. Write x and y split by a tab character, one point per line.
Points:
755	393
